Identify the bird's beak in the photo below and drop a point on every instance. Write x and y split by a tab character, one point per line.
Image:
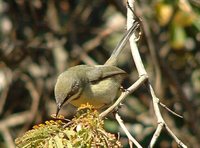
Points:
58	108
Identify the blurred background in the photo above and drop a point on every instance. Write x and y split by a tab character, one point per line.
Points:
39	39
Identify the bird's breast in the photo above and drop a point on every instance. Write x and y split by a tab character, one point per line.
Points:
99	93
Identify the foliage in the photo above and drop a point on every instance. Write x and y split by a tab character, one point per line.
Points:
84	130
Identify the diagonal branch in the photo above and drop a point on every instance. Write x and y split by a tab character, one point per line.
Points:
131	89
120	121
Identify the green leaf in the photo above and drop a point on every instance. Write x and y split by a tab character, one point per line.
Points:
58	142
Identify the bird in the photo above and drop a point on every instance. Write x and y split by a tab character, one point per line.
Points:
97	85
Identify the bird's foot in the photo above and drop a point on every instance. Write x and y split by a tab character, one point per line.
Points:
123	89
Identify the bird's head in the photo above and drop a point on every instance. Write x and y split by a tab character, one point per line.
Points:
67	88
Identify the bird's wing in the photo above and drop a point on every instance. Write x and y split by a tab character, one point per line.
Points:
100	72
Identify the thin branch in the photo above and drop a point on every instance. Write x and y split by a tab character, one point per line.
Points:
180	143
171	111
130	143
119	120
141	71
3	97
123	95
15	119
134	49
7	137
160	120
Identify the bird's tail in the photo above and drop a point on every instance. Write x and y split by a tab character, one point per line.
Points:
114	56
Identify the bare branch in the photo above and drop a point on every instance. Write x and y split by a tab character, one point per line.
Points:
7	136
143	76
141	71
171	111
119	120
180	143
131	89
156	134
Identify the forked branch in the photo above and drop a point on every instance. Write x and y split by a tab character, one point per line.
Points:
143	79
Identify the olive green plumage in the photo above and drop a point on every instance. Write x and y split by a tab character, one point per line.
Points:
97	85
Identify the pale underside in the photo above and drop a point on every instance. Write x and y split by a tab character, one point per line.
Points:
99	94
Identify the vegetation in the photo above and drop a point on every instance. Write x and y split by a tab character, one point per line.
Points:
39	39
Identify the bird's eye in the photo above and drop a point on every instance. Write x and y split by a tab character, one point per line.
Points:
75	87
74	90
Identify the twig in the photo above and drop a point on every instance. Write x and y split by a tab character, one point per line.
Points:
119	120
156	134
171	111
175	138
135	52
15	119
131	89
130	143
4	93
7	137
160	120
3	98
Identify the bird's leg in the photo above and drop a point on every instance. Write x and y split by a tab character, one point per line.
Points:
123	89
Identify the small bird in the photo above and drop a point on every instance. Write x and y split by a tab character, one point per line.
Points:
97	85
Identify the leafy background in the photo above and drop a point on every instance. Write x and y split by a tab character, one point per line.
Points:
39	39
